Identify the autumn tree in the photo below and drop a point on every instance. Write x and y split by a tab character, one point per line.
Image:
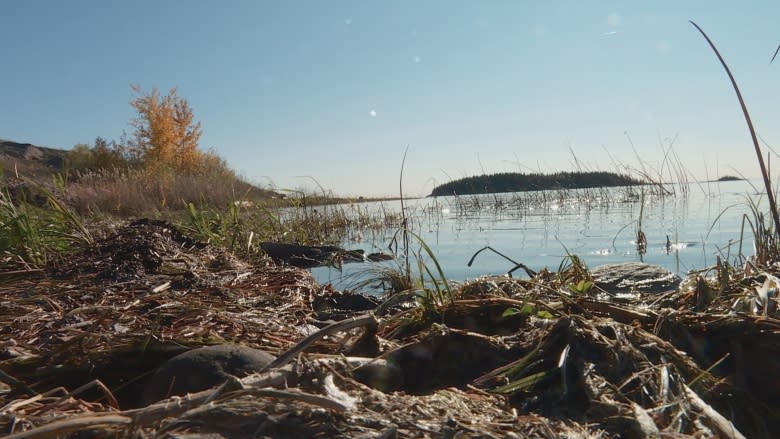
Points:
165	135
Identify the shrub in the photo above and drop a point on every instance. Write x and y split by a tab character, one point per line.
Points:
165	134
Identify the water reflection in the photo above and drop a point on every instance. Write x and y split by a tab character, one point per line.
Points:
601	226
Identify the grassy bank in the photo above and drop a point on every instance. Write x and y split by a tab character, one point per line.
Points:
47	212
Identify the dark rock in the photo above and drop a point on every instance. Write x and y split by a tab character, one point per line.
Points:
395	303
381	375
340	305
203	368
307	256
443	358
379	257
635	277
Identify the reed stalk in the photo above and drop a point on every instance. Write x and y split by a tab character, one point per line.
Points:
764	170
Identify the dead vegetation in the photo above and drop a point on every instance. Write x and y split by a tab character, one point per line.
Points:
504	358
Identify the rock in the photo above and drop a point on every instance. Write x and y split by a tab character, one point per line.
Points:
32	153
307	256
635	277
379	257
203	368
443	358
25	151
381	375
340	305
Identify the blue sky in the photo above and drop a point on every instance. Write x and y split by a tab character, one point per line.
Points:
293	92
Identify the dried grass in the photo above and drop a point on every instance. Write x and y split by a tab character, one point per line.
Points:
560	365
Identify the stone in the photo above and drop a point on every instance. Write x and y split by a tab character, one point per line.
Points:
307	256
203	368
635	277
381	375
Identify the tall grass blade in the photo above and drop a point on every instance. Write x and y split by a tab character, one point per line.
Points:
764	171
442	277
404	219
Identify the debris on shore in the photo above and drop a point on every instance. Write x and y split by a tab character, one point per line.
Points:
80	345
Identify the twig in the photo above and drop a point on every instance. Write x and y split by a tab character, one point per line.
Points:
168	408
367	320
528	271
61	428
310	398
644	421
723	426
155	412
16	383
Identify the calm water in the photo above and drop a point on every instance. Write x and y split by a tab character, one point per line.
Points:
600	226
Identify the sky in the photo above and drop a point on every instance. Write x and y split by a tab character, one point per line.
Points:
331	94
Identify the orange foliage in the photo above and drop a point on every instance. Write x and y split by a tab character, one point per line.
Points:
165	135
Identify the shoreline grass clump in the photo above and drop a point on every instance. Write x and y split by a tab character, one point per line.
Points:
31	235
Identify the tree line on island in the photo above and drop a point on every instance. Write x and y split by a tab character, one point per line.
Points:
518	182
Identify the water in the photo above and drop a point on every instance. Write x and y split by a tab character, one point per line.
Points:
599	226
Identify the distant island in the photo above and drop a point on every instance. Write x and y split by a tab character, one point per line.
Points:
730	178
517	182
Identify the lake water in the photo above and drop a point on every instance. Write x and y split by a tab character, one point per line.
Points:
599	226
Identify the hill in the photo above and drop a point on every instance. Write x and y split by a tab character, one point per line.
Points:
31	159
89	187
517	182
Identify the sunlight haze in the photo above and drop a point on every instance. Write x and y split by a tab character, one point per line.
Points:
302	94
